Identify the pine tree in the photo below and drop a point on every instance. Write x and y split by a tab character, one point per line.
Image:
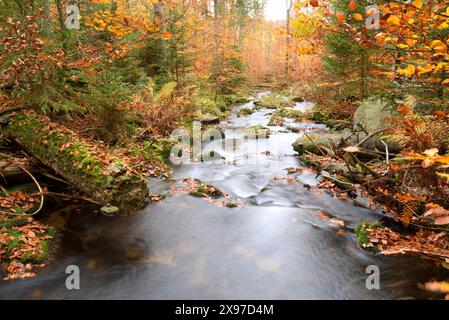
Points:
348	60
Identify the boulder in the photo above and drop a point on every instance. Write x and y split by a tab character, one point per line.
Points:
373	114
327	140
209	119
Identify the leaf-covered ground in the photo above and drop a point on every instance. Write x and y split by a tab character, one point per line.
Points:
24	242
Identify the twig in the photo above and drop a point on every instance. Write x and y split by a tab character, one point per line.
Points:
56	194
327	175
387	155
4	191
50	176
4	111
40	191
364	166
313	142
372	134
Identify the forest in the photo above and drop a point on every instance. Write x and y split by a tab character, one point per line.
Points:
345	102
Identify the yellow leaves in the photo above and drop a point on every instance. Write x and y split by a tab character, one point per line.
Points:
408	71
443	25
418	4
393	20
425	69
438	45
357	17
440	66
445	83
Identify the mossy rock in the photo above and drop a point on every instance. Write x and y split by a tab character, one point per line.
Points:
327	140
374	113
245	112
276	120
209	119
297	99
257	132
274	101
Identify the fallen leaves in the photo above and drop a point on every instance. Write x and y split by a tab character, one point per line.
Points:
209	193
424	243
24	242
440	215
437	286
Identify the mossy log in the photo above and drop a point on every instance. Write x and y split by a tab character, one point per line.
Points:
86	165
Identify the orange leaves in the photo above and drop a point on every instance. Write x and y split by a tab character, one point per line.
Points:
166	35
352	5
340	17
418	30
438	46
439	214
357	17
314	3
404	109
406	197
417	3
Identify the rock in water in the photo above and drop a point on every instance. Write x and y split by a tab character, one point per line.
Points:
209	119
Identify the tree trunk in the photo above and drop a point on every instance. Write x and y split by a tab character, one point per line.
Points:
287	41
46	24
86	165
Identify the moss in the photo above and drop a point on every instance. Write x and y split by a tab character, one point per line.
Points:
362	232
308	162
256	132
291	113
198	194
276	120
274	101
12	244
231	205
13	223
81	160
245	112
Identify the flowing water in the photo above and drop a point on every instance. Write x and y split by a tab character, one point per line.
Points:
281	244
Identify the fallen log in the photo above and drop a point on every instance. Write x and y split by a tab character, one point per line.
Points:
86	165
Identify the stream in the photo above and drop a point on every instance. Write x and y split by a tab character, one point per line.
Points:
281	243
